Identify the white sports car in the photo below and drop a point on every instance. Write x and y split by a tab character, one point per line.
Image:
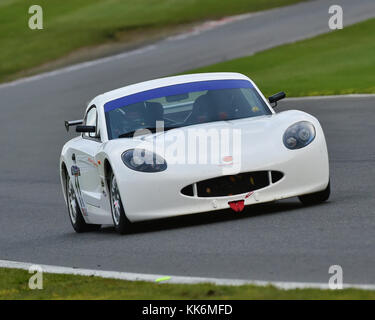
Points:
188	144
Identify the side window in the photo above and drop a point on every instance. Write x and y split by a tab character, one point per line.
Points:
90	120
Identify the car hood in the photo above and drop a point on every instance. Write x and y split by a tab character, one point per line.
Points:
255	135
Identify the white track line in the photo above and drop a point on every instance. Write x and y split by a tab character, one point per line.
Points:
213	24
205	26
77	66
359	95
174	279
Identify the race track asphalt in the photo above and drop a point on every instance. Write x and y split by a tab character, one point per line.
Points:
282	241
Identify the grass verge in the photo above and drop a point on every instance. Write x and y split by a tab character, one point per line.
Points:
14	285
339	62
72	24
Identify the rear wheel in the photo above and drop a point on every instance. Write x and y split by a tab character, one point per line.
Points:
317	197
120	221
75	214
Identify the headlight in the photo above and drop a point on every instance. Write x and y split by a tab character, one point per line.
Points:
143	160
299	135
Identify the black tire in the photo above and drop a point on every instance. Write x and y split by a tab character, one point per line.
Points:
120	221
76	219
317	197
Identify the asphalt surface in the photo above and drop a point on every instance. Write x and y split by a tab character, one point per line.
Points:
282	241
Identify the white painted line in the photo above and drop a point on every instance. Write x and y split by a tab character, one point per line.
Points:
209	25
174	279
359	95
206	26
77	66
213	24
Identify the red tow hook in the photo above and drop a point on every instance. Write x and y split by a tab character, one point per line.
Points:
237	206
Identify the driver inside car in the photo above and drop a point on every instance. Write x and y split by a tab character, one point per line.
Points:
128	118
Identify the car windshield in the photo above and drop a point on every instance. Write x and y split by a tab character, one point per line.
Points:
183	105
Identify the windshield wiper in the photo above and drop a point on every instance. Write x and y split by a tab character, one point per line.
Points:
130	134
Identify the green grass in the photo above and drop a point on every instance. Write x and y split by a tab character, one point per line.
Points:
72	24
339	62
14	285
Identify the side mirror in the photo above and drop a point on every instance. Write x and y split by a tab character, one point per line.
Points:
86	129
276	97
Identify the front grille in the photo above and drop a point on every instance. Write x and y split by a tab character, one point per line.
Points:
232	185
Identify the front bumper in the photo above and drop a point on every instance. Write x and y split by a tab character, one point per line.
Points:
148	196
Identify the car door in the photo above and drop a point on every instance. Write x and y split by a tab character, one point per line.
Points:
89	180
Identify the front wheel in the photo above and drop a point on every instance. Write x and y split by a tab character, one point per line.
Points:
317	197
121	222
75	214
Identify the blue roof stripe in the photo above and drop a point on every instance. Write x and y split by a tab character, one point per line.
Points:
175	90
